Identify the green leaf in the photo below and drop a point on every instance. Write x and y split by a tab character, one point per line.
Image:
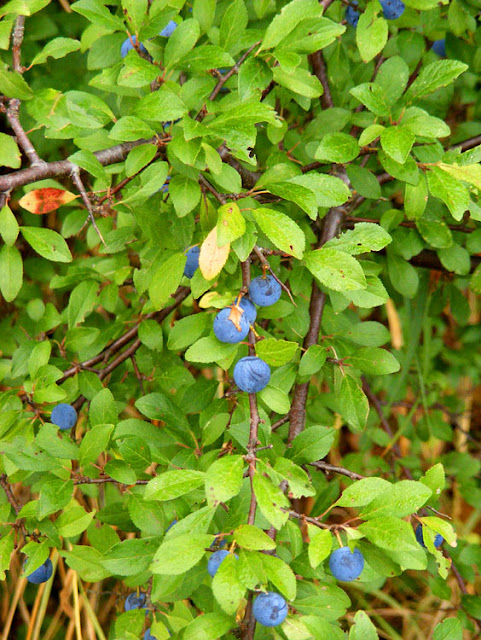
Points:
397	142
11	272
390	533
320	545
103	409
73	520
6	550
172	484
9	152
130	557
165	280
82	300
135	12
54	495
160	106
230	223
299	482
223	479
330	191
371	32
94	443
372	97
374	360
131	128
337	147
415	199
449	629
56	48
49	244
270	500
252	538
311	444
13	85
434	76
403	275
281	575
210	350
8	226
185	194
233	25
181	42
299	81
312	360
399	500
226	586
177	555
450	190
286	21
363	492
205	57
276	399
98	14
88	161
281	230
209	626
353	404
364	182
187	330
157	406
276	352
365	236
335	269
363	628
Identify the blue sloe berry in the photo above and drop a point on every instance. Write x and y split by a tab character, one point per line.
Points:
192	263
216	559
346	565
392	9
226	331
251	374
264	291
64	416
270	609
42	574
439	47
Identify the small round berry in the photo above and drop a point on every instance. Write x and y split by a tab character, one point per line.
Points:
149	636
216	559
392	9
249	309
270	609
42	574
226	331
438	540
192	263
264	291
251	374
352	16
346	565
134	601
64	416
439	47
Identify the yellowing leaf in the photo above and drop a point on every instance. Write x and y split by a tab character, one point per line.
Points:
41	201
212	257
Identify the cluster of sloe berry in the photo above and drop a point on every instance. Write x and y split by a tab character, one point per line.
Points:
232	324
129	43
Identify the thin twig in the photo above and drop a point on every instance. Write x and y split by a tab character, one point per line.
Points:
331	468
76	179
232	71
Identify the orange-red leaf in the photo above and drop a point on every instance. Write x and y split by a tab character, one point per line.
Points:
44	200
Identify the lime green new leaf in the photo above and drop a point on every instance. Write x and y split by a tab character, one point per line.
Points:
230	223
181	42
276	352
13	85
9	152
366	236
95	442
320	545
56	48
335	269
288	18
397	142
434	76
398	500
337	147
165	280
209	626
363	628
363	492
178	554
271	501
281	230
281	575
252	538
311	444
172	484
353	404
223	479
371	32
299	81
226	585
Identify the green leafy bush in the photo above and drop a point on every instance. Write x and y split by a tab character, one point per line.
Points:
336	165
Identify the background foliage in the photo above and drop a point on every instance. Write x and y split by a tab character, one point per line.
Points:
344	160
